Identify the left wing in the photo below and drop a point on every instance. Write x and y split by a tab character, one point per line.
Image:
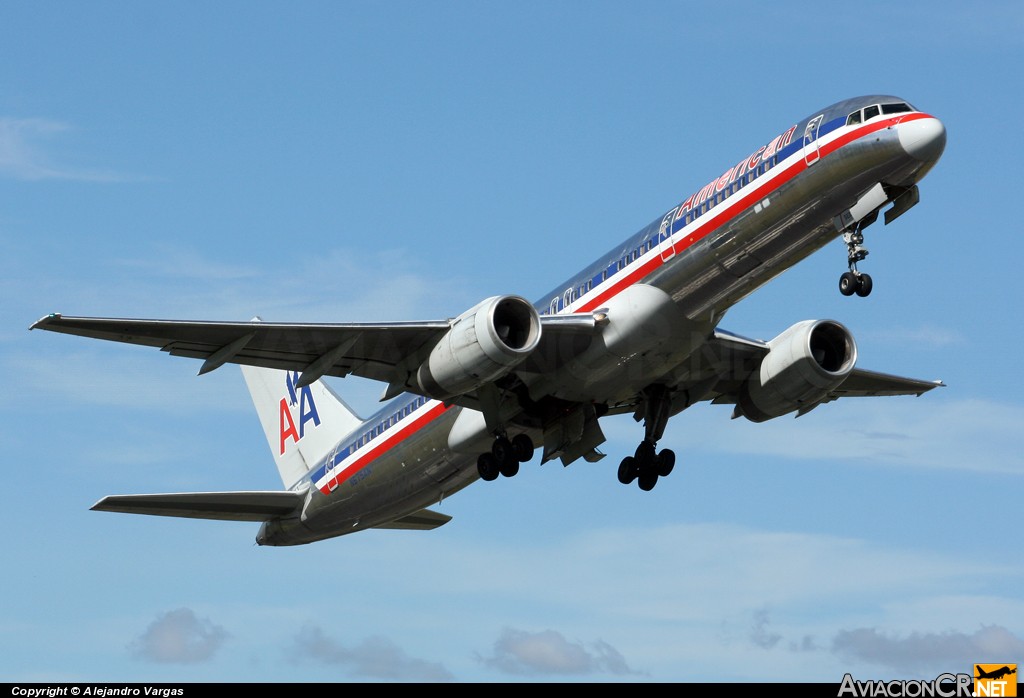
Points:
388	352
377	351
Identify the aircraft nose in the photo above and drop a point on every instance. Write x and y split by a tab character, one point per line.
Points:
923	139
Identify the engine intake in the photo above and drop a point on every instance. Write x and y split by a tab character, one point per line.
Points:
802	366
484	343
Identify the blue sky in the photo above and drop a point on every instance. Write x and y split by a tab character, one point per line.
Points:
389	161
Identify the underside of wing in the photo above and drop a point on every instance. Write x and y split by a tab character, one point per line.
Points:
864	383
223	506
388	352
422	520
827	373
382	352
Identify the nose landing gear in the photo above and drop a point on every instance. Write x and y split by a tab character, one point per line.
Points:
855	281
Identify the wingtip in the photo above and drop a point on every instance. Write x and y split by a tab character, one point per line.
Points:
44	320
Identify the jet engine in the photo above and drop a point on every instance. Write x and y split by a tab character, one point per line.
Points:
803	364
484	343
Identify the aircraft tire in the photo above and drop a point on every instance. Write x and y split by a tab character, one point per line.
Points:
648	480
848	283
666	461
627	470
510	468
864	286
487	466
522	446
644	454
502	449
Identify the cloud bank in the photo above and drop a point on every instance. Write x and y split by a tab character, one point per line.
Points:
549	653
179	637
374	657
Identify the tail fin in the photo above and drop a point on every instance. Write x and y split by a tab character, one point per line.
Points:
302	424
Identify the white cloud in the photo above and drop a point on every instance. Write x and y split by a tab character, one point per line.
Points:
374	657
759	633
179	637
22	155
920	653
549	653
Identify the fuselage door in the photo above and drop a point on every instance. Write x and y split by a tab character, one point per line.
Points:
332	471
665	245
811	151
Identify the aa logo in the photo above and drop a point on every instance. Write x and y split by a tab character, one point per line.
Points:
995	680
300	399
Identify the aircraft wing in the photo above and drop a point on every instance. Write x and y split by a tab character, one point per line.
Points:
384	352
735	357
224	506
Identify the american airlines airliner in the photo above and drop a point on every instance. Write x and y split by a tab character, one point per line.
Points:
636	332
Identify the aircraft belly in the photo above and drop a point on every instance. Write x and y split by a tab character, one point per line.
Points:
646	335
417	474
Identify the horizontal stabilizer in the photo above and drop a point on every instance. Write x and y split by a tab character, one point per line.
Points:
422	520
224	506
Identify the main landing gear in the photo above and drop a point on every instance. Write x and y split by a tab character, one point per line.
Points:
648	464
504	457
854	281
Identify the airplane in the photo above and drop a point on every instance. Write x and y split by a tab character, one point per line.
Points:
996	674
636	332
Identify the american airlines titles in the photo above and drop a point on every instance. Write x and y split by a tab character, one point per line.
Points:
762	154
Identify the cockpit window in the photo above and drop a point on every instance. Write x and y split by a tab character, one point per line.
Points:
870	112
897	108
854	118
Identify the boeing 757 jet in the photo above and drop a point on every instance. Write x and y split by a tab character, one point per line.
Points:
635	332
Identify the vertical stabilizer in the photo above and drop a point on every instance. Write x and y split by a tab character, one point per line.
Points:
302	425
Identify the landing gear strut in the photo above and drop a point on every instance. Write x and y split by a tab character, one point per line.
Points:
855	281
504	457
647	464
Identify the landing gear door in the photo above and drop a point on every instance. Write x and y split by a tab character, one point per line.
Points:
665	244
811	150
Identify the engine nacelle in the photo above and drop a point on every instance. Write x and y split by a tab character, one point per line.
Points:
803	364
484	343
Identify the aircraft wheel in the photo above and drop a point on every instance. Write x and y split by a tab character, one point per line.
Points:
627	470
487	466
666	461
648	480
510	468
864	286
848	283
644	454
523	448
502	450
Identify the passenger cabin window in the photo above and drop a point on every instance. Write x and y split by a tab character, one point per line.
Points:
870	112
897	108
854	118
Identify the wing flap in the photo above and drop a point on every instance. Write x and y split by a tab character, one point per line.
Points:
222	506
422	520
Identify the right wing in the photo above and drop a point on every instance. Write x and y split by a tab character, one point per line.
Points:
734	358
